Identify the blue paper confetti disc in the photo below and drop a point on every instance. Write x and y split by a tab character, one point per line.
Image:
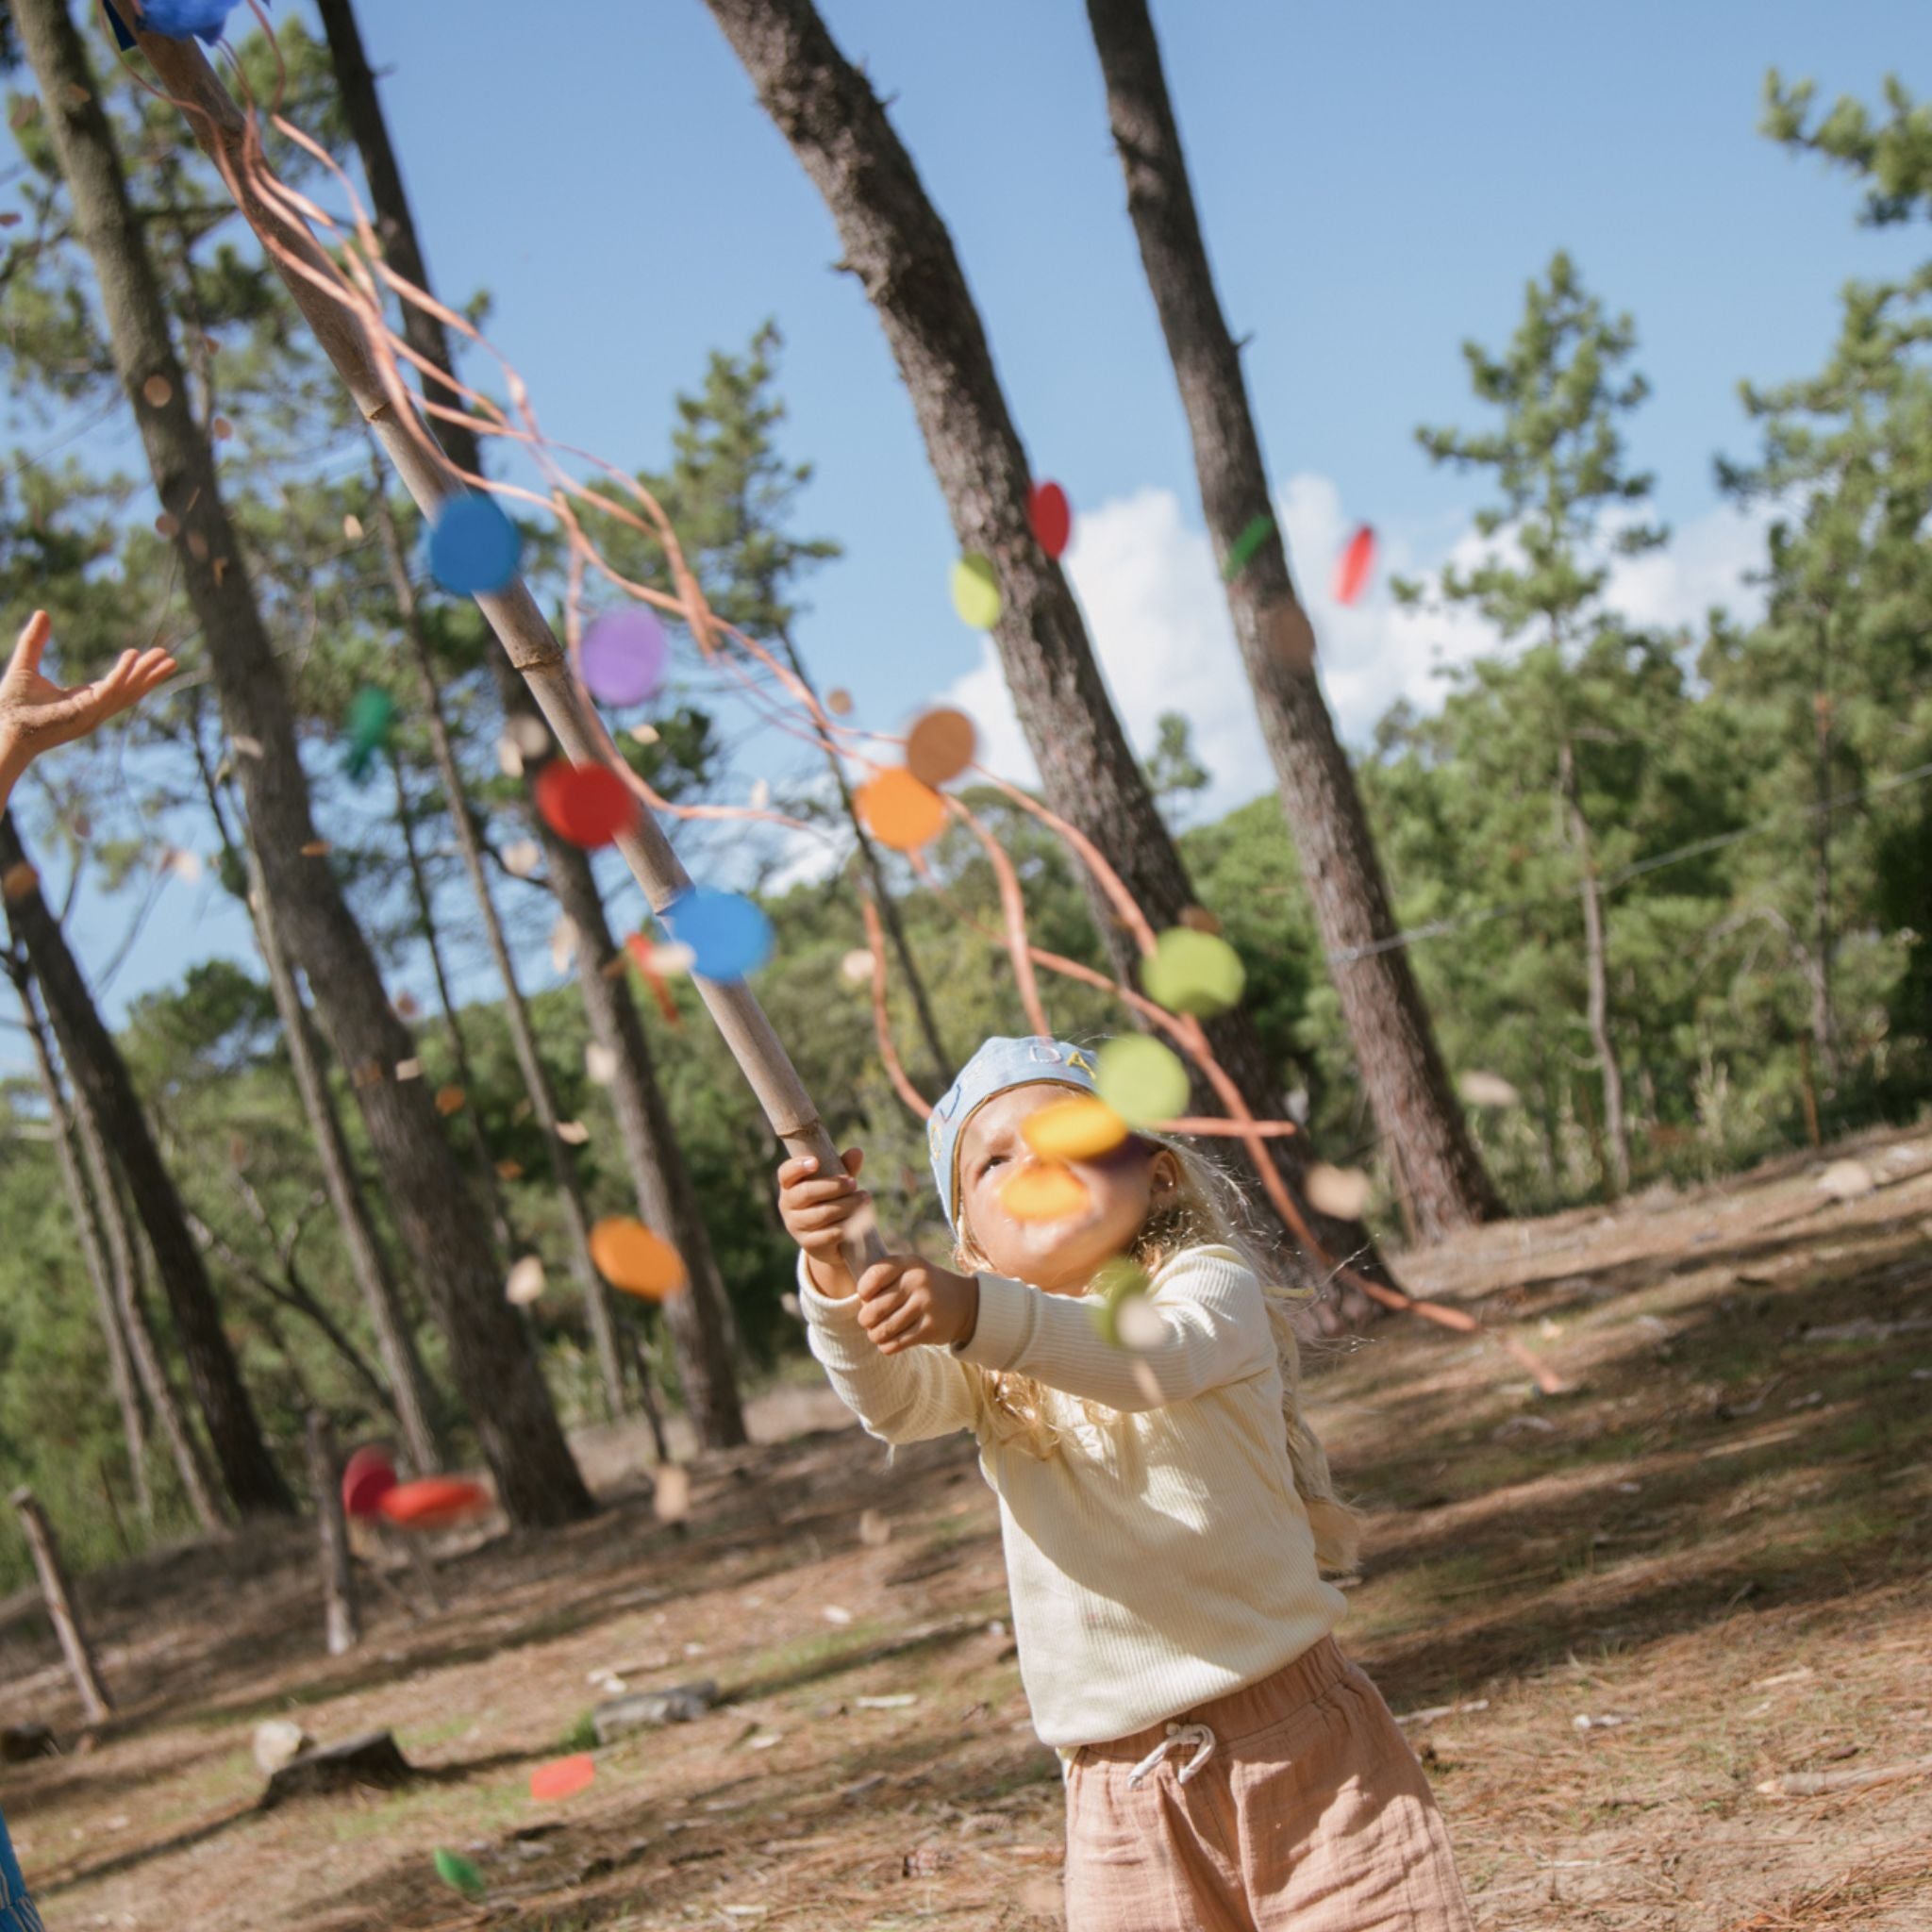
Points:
728	935
624	657
474	546
177	19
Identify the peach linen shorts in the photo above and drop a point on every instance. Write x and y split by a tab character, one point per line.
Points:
1292	1805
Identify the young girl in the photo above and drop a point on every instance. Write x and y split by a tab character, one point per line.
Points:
1164	1510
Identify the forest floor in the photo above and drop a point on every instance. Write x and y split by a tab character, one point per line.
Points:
1704	1568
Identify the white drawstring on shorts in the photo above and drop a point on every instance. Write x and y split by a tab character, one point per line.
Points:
1181	1735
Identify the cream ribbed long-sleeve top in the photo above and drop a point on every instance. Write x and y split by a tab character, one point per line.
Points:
1161	1555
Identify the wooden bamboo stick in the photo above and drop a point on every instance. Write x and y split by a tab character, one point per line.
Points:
219	128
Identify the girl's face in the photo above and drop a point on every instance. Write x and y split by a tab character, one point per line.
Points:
1057	1256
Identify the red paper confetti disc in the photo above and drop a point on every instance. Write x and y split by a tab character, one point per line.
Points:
435	1501
563	1777
1051	516
588	804
368	1476
1358	560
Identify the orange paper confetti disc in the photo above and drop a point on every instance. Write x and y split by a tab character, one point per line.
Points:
1076	1129
434	1502
563	1777
449	1100
901	813
628	1256
1043	1190
940	746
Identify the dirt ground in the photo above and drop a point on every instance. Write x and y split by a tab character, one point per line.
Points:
1608	1618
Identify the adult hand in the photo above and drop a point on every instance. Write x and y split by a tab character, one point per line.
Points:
37	713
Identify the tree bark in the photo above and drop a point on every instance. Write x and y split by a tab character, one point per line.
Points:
95	1702
408	1386
536	1087
490	1357
701	1327
344	1628
1394	1042
1824	1019
1597	979
898	247
87	1227
94	1063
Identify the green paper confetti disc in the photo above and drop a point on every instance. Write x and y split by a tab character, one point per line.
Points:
1193	972
456	1870
1244	546
1141	1080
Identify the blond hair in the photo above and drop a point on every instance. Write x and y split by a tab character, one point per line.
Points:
1207	1209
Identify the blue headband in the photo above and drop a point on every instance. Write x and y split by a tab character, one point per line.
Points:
998	1066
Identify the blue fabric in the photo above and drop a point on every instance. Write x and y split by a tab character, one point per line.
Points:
999	1064
17	1910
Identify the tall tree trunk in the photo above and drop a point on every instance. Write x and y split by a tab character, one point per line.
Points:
942	1069
124	1269
490	1356
536	1087
501	1227
94	1064
408	1386
703	1330
87	1227
1394	1042
898	247
1597	979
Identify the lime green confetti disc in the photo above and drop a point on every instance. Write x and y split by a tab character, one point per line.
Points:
1193	972
975	592
1141	1080
454	1869
1119	1280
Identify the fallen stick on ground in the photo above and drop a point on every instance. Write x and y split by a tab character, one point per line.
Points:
1817	1784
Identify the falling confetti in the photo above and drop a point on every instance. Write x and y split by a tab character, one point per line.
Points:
1043	1190
433	1501
510	1170
371	719
449	1100
1353	568
1118	1281
17	881
1191	972
1487	1090
352	528
158	391
940	746
167	524
671	1494
563	943
901	813
406	1006
600	1063
510	757
631	1257
1051	516
838	703
856	968
1240	552
1287	634
456	1870
572	1133
368	1074
368	1476
875	1528
409	1070
1340	1191
588	804
728	935
623	655
1198	919
474	547
1079	1129
183	864
520	859
563	1777
177	19
976	591
760	794
10	220
1141	1079
316	848
221	429
529	736
526	1283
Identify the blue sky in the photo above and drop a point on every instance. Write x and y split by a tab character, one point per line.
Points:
1376	181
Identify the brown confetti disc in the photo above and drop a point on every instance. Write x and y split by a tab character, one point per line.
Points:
1289	635
352	528
406	1006
838	703
510	1170
167	524
1341	1191
526	1283
316	848
238	1151
10	220
159	391
197	546
449	1100
77	96
368	1074
221	429
17	881
941	746
1198	919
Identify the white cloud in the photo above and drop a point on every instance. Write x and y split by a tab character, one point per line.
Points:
1159	619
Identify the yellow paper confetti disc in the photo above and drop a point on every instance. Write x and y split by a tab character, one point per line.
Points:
1076	1129
628	1256
1141	1080
976	591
